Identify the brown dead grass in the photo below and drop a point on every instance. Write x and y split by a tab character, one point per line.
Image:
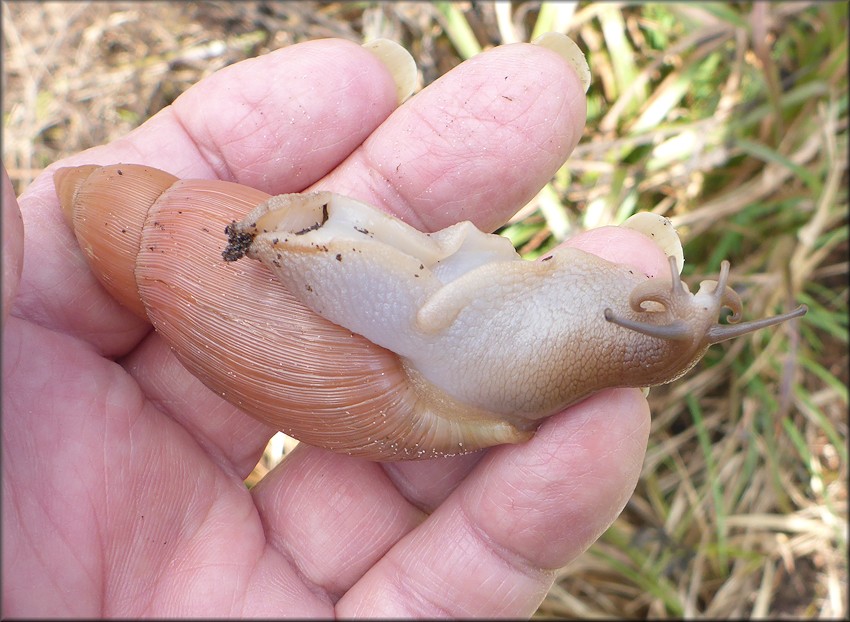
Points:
741	510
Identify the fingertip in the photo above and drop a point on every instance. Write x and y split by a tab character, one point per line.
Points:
611	418
476	144
623	246
399	64
580	469
619	415
570	52
277	122
661	231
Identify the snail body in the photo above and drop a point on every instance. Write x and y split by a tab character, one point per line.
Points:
453	342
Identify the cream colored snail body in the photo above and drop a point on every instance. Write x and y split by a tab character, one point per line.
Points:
453	342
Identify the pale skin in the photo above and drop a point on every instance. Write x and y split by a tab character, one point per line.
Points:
123	488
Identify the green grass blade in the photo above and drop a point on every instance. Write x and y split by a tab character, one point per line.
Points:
458	30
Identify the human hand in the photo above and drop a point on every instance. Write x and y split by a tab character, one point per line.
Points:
123	491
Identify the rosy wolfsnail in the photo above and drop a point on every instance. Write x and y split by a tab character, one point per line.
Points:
451	341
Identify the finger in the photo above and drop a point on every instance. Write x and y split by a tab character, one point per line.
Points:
281	121
492	548
277	122
624	246
476	145
331	516
13	245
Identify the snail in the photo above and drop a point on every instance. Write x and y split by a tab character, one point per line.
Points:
451	341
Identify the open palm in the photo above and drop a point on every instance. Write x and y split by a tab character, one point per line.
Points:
123	475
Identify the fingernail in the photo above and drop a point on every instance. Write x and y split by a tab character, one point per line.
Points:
568	49
400	63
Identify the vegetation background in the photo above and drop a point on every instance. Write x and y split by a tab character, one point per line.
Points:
729	118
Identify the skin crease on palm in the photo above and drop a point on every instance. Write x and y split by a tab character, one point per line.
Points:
123	488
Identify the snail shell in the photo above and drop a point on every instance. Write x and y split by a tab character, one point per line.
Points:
453	342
